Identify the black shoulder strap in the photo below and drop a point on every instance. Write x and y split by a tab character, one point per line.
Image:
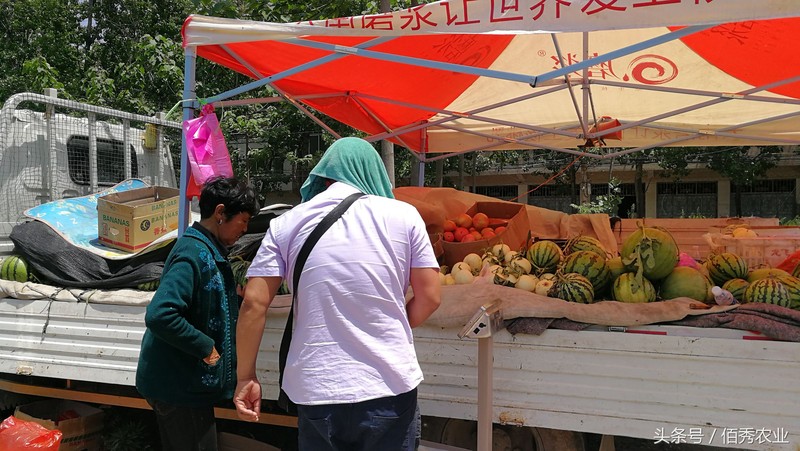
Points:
302	256
316	234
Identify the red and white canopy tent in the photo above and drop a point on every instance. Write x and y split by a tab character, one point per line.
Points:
466	75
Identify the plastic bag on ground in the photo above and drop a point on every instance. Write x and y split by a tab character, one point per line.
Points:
16	434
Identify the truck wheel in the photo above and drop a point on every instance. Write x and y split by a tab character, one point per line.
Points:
464	434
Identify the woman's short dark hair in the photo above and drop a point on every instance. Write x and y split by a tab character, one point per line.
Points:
234	194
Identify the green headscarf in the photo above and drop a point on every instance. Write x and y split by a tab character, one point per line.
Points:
352	161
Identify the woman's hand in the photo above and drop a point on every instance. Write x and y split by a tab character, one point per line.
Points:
212	358
247	399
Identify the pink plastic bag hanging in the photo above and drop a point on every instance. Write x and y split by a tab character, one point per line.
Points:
206	148
16	434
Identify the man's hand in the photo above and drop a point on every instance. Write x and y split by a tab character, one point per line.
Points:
247	399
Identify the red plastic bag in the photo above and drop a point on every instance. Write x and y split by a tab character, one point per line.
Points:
790	263
16	434
206	148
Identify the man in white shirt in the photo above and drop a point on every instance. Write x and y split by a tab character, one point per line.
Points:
352	368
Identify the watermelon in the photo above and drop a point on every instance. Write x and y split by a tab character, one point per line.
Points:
652	250
590	265
726	266
544	256
792	285
685	281
14	268
573	287
149	286
762	273
633	289
616	267
769	290
736	287
585	243
240	267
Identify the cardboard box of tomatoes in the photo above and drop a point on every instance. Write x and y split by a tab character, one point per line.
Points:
482	226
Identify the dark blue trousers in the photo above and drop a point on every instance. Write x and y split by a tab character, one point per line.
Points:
185	428
386	424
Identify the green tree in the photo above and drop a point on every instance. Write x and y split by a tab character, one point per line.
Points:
604	203
41	45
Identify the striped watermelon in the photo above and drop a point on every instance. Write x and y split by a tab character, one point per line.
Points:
573	287
14	268
240	267
590	265
630	288
726	266
769	290
149	286
792	285
736	287
585	243
544	255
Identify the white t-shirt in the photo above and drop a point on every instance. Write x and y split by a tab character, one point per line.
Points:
351	341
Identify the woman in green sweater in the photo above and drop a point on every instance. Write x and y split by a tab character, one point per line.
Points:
188	357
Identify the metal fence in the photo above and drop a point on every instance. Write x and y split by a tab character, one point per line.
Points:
53	148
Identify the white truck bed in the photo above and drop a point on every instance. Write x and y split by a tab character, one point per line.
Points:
713	388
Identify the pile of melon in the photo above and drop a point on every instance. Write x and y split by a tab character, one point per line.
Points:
651	258
543	268
647	269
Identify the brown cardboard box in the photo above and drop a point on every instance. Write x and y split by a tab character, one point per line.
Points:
131	220
80	424
515	235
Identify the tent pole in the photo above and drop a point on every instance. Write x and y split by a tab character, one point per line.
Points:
189	65
485	398
387	147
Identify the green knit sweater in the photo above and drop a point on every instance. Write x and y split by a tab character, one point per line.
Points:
195	308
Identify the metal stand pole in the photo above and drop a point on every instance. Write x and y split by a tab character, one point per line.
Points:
483	324
485	401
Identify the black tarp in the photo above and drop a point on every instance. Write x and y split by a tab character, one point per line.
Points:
55	261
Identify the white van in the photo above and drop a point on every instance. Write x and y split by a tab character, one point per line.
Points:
52	148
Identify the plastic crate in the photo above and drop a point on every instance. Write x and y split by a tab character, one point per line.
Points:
756	251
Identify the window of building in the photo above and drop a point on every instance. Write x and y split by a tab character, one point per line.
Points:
768	199
504	192
110	161
769	186
686	199
554	190
625	189
688	188
554	197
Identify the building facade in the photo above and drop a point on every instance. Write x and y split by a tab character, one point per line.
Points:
703	193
